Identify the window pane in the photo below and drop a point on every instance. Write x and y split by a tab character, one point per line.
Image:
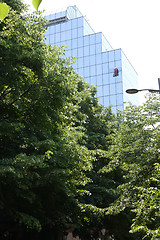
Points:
99	80
98	59
80	42
74	33
113	100
105	68
93	70
111	56
74	23
98	48
80	22
92	49
86	72
99	69
106	90
98	37
105	57
92	39
111	67
86	50
74	43
86	40
106	101
105	79
80	62
86	61
118	54
119	88
80	52
93	81
100	91
112	89
93	59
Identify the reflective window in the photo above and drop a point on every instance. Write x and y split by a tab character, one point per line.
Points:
67	53
74	52
118	54
113	100
86	40
111	78
93	81
119	88
98	48
86	50
87	79
80	32
112	89
100	91
47	32
111	56
86	72
98	37
99	80
99	69
105	79
80	42
68	25
80	22
51	39
68	35
98	59
106	90
57	37
63	27
74	33
106	101
93	70
74	43
63	36
111	67
92	49
92	39
74	23
75	65
80	71
114	109
86	61
80	62
80	52
101	100
105	57
93	59
69	44
52	29
105	68
57	27
118	64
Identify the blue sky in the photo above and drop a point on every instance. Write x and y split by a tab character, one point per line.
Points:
132	25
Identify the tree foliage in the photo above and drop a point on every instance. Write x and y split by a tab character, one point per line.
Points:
136	150
4	8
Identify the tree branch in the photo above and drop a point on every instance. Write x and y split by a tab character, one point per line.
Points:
21	95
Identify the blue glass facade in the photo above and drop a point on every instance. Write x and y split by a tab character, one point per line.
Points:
96	60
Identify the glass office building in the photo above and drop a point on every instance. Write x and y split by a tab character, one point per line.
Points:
101	65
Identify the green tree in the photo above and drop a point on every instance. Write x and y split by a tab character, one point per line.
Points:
136	150
43	161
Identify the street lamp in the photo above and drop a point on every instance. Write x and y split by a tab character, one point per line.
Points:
134	90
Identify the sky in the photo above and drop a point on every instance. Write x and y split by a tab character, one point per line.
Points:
133	25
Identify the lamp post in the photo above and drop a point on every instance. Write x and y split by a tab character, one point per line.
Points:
134	90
